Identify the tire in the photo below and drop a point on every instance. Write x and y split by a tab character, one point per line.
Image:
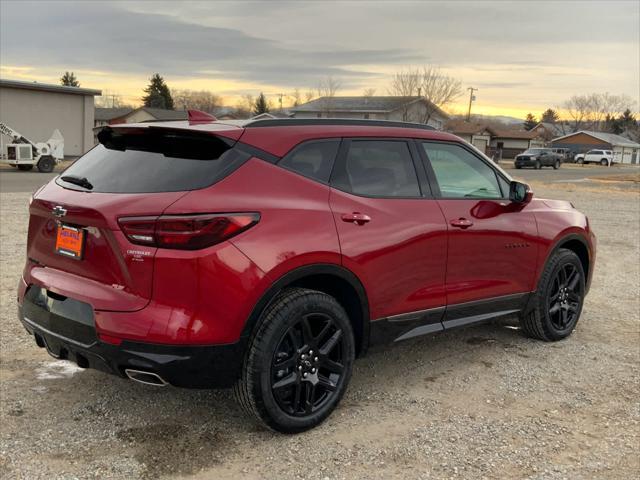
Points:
538	165
46	164
518	167
556	165
303	346
604	162
580	161
25	168
558	300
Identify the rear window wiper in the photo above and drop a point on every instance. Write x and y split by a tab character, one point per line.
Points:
80	181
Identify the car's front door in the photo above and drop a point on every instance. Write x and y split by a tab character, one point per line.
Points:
492	250
392	234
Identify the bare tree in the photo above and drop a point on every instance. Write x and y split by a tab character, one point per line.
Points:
428	82
309	95
203	100
327	89
111	99
439	89
591	111
297	97
369	92
244	107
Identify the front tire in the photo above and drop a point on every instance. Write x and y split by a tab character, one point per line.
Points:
299	361
25	168
556	165
46	164
604	162
538	165
558	301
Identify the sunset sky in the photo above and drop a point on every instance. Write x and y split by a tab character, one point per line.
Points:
522	56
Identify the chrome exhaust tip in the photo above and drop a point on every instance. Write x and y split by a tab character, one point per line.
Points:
148	378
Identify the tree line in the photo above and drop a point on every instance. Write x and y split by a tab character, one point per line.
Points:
596	111
602	112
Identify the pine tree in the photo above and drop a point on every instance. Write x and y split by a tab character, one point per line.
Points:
530	122
69	80
261	105
550	116
157	94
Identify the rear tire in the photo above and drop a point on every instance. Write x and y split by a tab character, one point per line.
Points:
299	361
557	302
556	165
604	162
46	164
538	165
25	168
580	161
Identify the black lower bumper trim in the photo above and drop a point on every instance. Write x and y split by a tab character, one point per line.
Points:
213	366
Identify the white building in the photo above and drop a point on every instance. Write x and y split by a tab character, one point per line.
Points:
37	109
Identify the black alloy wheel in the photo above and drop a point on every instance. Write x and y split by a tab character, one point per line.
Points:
299	361
555	307
565	298
308	365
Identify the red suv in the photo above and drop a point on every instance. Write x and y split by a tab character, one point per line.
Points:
267	255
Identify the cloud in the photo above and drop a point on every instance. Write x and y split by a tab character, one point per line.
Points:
104	37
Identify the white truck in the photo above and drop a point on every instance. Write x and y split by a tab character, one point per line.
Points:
25	154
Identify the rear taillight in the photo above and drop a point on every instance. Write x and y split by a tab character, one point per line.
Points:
186	232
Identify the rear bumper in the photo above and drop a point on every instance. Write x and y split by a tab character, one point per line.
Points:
211	366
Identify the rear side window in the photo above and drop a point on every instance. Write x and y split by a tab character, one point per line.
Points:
312	159
461	174
378	168
154	161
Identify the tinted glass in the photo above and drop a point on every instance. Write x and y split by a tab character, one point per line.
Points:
379	168
460	174
154	162
313	159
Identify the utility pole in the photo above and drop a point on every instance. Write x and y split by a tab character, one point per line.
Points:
472	97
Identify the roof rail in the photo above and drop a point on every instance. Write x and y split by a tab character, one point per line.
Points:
298	122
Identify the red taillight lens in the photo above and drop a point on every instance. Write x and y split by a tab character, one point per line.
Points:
186	232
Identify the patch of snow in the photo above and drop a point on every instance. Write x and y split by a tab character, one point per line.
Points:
57	369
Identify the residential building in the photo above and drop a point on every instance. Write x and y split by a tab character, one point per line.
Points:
509	142
37	109
475	134
407	109
624	150
148	114
549	130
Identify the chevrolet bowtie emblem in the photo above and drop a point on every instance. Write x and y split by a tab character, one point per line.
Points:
59	211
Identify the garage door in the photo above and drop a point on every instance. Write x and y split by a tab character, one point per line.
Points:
480	144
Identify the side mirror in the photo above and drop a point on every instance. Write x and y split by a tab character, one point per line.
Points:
520	192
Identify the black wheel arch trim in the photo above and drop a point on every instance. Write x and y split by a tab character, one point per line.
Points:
563	241
300	273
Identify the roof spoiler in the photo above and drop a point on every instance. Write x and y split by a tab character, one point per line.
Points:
197	117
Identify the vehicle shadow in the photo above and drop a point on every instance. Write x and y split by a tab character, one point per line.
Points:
178	431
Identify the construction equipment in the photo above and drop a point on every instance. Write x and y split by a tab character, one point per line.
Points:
25	154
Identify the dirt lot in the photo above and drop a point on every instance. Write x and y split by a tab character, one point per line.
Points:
484	402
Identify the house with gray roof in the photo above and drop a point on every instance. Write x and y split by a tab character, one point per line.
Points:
406	109
624	150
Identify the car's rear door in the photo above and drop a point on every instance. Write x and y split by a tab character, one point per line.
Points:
392	234
492	250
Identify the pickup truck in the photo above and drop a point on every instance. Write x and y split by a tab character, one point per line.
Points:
538	158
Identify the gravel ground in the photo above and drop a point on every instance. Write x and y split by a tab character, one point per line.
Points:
483	402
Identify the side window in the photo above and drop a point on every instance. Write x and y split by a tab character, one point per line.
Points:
378	168
461	174
312	159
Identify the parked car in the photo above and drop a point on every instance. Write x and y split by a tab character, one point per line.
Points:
564	153
538	158
267	255
603	157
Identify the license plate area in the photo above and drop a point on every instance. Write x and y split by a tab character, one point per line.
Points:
70	241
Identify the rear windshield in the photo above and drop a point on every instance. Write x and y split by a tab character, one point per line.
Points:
152	161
